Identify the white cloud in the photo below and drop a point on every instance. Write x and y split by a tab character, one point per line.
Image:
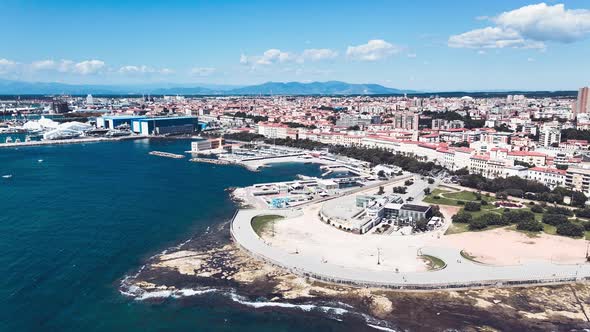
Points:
136	69
528	27
318	54
166	71
373	50
276	56
492	37
202	71
269	57
543	22
88	67
412	55
143	69
43	65
65	66
7	66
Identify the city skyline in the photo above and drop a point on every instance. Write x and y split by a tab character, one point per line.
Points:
428	46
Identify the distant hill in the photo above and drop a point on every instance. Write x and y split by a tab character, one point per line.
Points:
316	88
8	87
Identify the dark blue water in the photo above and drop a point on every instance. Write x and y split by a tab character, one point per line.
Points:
73	225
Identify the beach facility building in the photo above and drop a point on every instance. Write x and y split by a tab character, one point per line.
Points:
112	122
173	125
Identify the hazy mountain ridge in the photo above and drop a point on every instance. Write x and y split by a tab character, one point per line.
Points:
8	87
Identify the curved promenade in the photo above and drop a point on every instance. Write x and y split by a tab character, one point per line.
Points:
458	273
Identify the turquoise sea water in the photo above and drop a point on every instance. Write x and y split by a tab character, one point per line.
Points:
74	224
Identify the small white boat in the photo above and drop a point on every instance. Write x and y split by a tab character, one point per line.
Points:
7	176
40	160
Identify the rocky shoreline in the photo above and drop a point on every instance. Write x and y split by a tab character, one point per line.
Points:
211	261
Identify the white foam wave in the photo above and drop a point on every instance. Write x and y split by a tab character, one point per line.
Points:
155	295
304	307
382	328
192	292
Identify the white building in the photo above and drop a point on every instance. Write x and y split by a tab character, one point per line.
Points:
551	177
549	136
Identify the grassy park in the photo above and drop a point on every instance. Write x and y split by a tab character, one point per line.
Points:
263	224
478	213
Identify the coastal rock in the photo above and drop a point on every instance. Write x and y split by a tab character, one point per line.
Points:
185	262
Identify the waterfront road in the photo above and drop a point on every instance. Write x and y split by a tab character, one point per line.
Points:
458	272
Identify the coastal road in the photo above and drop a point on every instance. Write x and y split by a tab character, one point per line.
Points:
458	273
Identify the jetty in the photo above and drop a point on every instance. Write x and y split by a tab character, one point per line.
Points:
211	161
166	154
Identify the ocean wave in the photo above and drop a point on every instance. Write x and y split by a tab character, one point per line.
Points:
305	307
334	310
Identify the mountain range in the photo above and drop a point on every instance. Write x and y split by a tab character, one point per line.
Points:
9	87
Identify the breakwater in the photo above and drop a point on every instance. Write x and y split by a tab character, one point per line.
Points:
166	154
211	161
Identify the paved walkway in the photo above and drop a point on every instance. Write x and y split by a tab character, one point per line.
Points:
458	273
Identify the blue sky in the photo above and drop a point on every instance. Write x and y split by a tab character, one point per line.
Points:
424	45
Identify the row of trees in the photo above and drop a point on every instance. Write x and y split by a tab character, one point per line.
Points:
522	188
255	118
524	220
572	133
371	155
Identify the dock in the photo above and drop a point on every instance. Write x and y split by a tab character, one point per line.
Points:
166	154
211	161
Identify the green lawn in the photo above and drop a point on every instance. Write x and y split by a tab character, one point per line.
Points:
452	198
441	201
549	229
468	196
467	256
262	224
434	263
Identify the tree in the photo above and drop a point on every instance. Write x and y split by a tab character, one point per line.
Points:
381	190
430	180
501	195
530	226
492	219
462	171
436	211
570	229
472	206
477	224
515	192
462	217
381	174
422	225
560	210
583	213
408	183
537	209
516	216
523	163
554	219
426	191
399	190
